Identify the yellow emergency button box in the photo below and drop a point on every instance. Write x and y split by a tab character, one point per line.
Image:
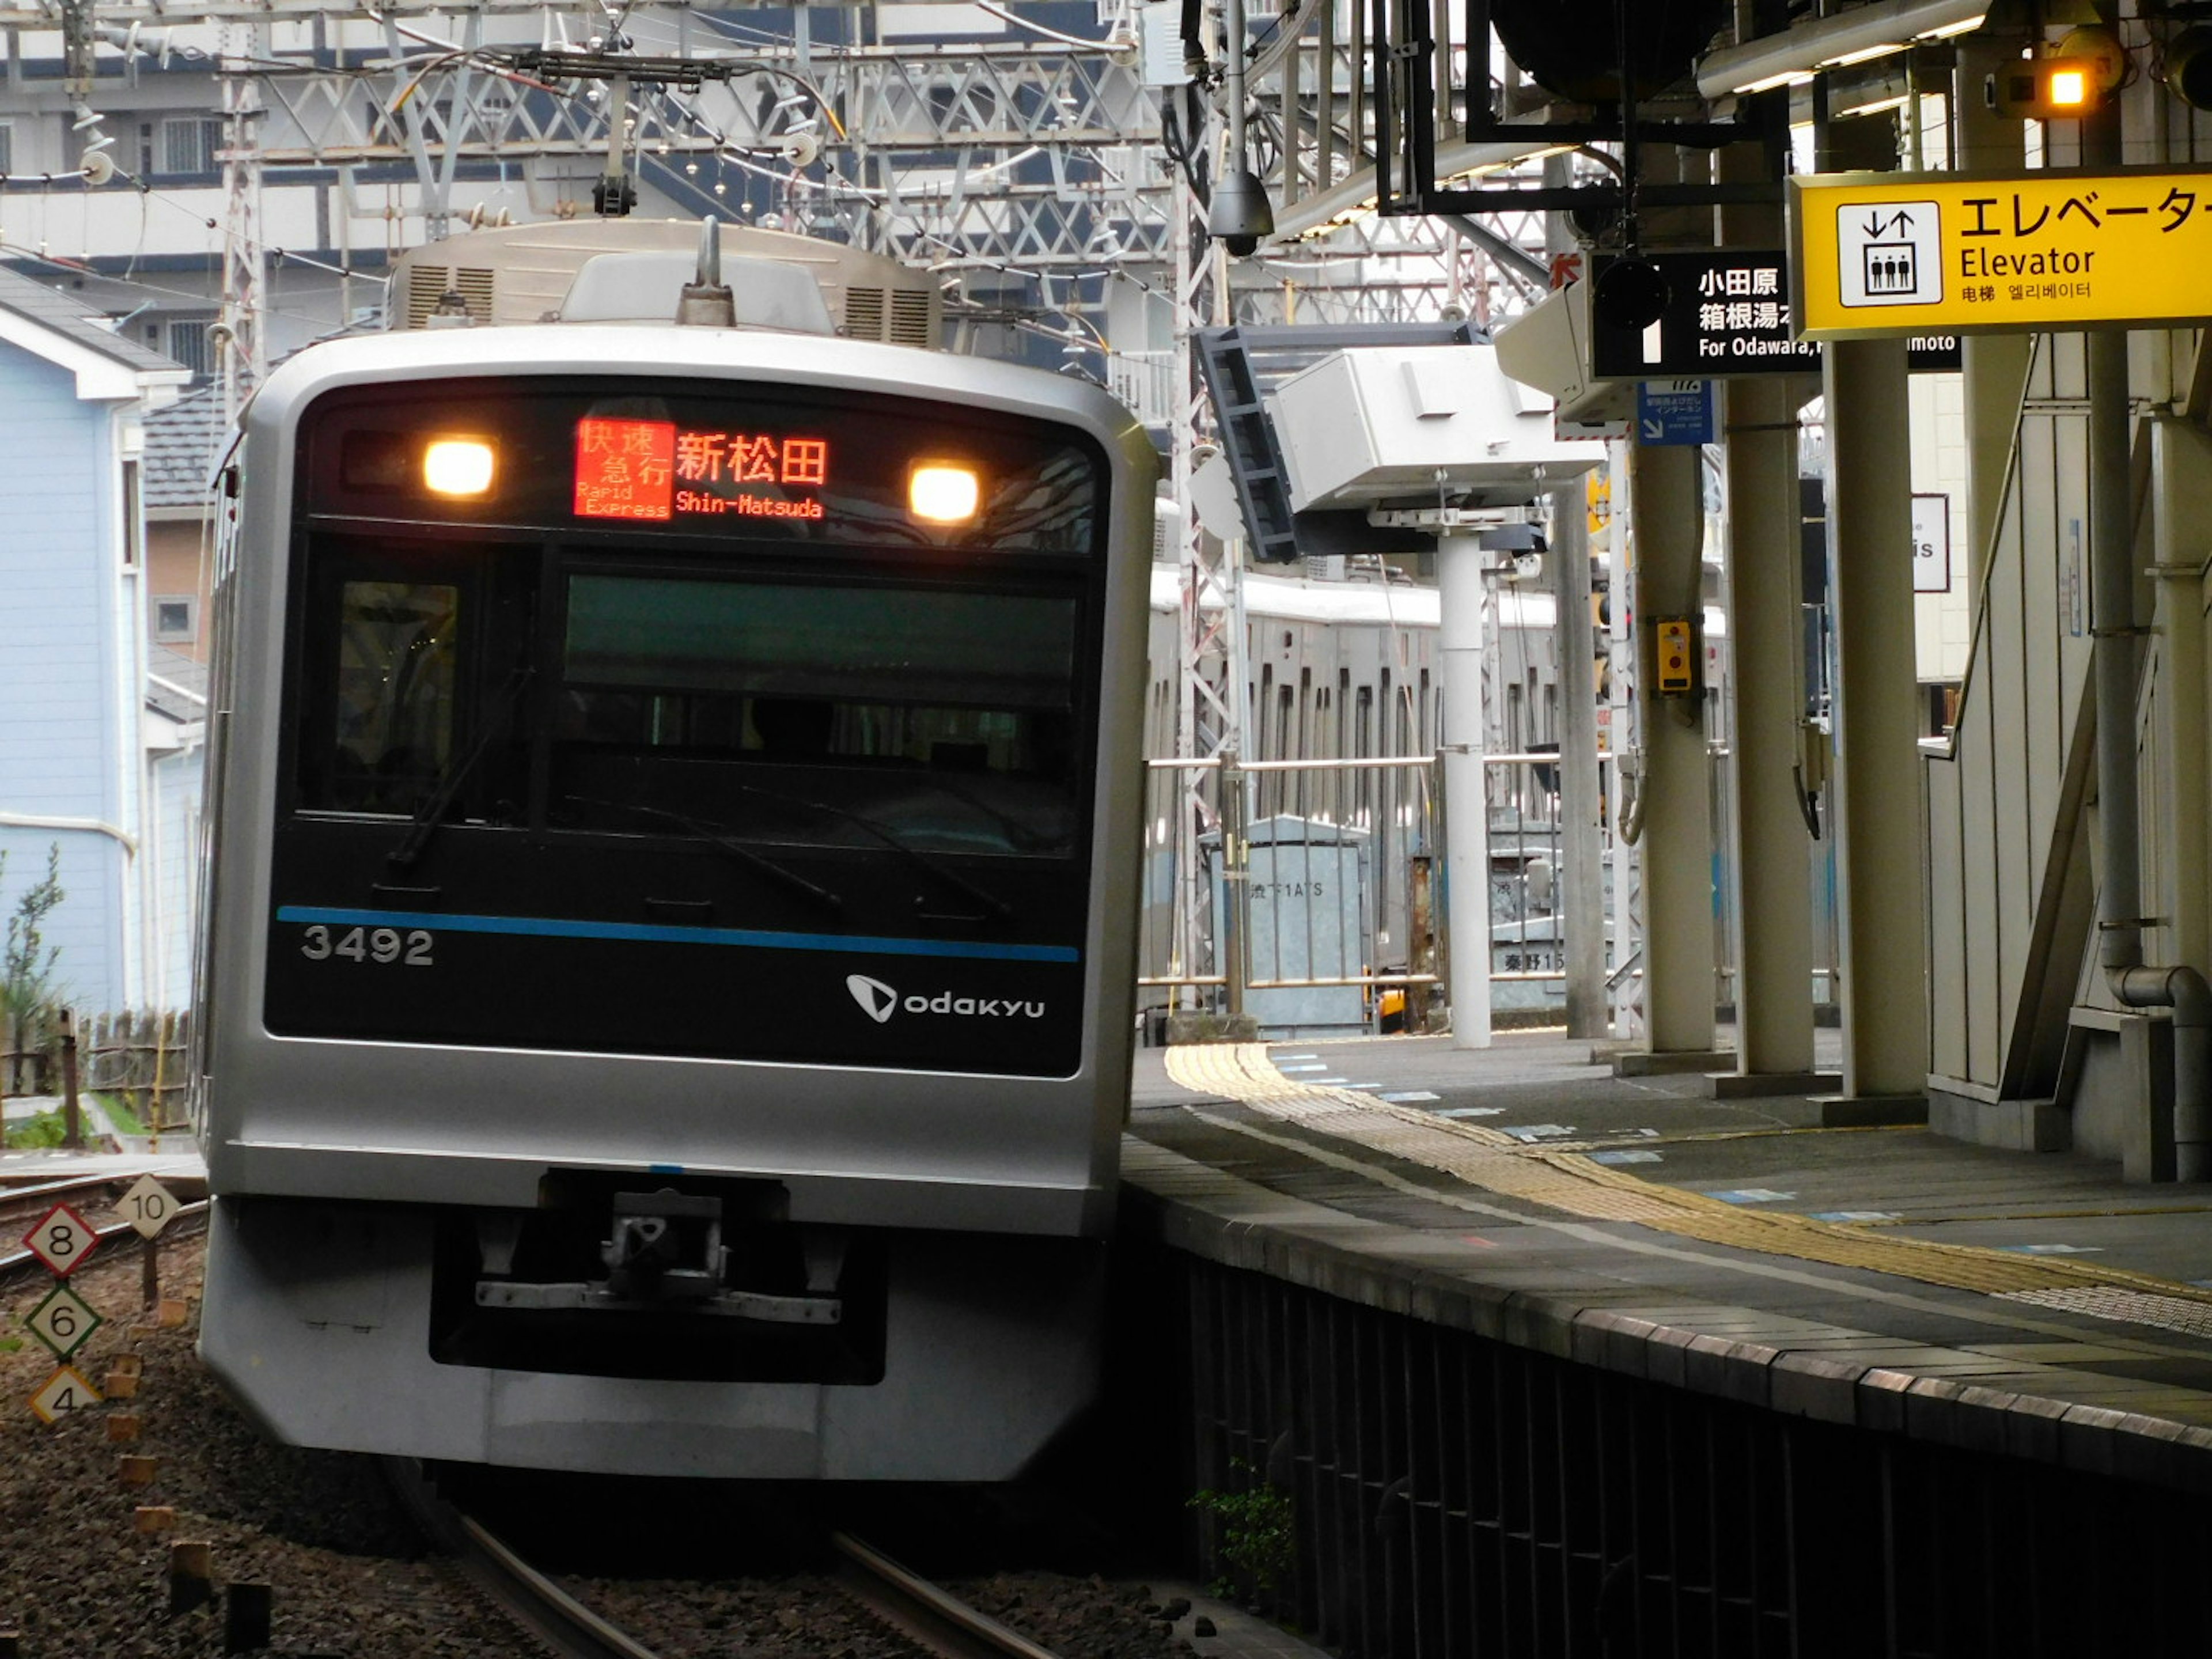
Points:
1677	665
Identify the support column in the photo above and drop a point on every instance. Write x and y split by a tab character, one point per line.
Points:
1675	793
2181	506
1773	861
1881	904
1467	804
1995	365
1582	879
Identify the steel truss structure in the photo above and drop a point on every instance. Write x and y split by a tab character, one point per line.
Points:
1034	171
1026	167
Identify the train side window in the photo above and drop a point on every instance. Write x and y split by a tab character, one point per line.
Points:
392	729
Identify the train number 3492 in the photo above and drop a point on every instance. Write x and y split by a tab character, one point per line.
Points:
411	949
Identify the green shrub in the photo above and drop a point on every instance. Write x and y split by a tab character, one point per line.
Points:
1257	1534
39	1134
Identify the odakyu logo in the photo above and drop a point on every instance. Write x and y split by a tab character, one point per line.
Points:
879	1001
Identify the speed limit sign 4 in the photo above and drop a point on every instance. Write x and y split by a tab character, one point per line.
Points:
62	1240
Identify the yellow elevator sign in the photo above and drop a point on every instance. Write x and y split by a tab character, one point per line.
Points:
1873	254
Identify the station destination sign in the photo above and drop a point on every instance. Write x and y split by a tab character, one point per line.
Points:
1874	255
1729	313
1676	412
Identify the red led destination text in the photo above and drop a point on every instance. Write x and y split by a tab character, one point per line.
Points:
632	468
625	469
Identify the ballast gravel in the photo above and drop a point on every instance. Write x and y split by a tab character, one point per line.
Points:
85	1569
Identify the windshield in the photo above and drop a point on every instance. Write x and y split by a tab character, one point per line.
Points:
787	711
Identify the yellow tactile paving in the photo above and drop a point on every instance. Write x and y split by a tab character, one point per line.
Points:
1567	1181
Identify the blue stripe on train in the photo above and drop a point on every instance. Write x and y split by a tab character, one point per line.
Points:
657	934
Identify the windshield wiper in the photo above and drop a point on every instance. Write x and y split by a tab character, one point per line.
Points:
991	902
431	812
1020	837
736	849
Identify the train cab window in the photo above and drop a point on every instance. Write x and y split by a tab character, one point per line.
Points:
940	717
392	728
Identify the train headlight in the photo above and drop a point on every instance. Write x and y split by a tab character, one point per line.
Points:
457	466
943	492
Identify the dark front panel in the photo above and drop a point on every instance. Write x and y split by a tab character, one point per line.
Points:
635	944
798	785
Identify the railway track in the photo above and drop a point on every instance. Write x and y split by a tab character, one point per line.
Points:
21	1207
941	1624
936	1623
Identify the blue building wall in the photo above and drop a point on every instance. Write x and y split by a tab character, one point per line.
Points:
69	697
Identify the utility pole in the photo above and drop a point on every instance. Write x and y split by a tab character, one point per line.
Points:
245	265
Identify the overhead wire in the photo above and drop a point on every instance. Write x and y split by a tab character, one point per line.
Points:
834	182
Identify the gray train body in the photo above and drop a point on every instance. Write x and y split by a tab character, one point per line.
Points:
1348	670
597	1084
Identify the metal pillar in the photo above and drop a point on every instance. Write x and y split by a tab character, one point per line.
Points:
244	261
1467	802
1582	808
2181	482
1773	863
1625	925
1668	513
1582	829
1209	724
1995	365
1882	908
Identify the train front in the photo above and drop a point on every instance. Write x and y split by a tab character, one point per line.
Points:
670	979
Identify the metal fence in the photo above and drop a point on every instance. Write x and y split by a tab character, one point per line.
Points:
138	1058
1443	1495
1309	894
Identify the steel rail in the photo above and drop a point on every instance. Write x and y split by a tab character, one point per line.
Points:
32	1194
921	1612
533	1602
14	1262
938	1623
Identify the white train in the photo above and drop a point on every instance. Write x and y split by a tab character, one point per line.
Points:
668	994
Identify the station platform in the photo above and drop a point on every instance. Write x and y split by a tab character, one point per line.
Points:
109	1151
1880	1277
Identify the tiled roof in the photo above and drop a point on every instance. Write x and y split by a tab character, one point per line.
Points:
77	321
183	440
181	671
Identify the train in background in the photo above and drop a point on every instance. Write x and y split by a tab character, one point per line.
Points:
667	994
1342	664
1339	666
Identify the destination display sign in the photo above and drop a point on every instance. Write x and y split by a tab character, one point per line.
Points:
1880	254
654	470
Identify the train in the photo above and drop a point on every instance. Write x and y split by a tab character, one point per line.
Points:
666	987
1343	666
